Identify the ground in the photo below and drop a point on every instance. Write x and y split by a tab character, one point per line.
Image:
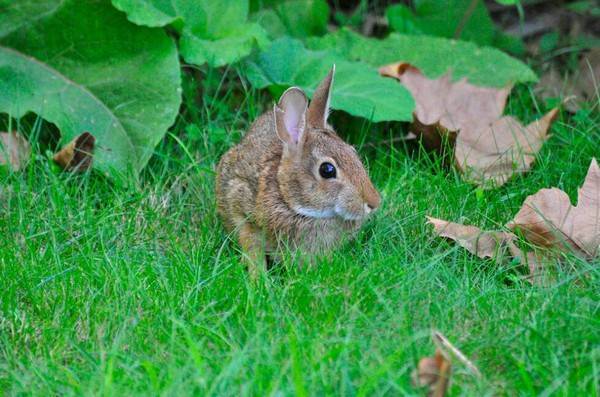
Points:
135	288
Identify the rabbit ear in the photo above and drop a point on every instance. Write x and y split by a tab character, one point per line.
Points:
290	116
318	111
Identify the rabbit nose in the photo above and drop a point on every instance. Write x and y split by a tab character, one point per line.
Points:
371	206
372	201
370	196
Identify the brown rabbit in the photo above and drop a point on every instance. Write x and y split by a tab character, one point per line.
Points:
292	181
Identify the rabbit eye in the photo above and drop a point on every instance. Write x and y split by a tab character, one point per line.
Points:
327	170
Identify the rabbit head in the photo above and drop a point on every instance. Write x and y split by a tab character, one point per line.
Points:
319	176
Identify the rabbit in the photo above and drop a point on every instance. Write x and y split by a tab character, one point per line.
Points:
293	182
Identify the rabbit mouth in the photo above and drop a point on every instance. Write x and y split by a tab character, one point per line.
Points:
314	213
349	216
329	213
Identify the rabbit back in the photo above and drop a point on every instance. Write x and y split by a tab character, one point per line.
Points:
239	170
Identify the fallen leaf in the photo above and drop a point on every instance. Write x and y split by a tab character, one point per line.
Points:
77	155
576	88
496	152
489	148
546	220
14	150
447	104
428	109
460	103
484	244
433	373
536	261
494	244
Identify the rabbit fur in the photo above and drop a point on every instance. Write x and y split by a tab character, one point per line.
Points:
269	189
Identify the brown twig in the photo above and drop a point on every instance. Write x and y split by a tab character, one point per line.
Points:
444	345
408	137
465	18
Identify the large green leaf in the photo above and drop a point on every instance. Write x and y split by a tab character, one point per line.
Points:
213	32
297	18
82	66
434	56
15	13
358	89
462	19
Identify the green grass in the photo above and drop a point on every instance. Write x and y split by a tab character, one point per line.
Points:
135	288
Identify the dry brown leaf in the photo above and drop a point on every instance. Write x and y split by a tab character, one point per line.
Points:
469	106
429	109
77	155
489	244
451	105
433	373
575	89
548	219
500	150
489	147
536	261
484	244
493	244
14	150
